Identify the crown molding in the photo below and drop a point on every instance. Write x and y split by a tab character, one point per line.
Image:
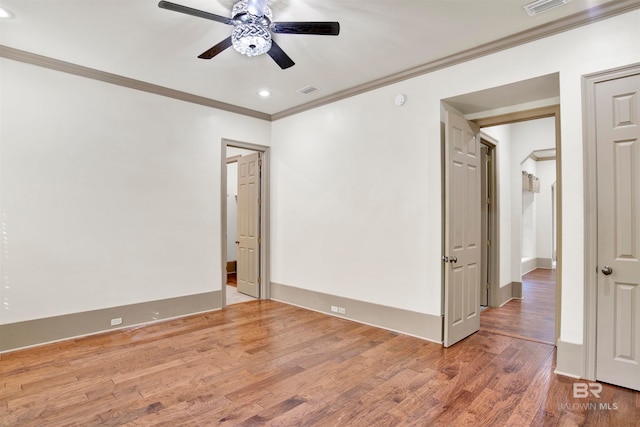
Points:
596	13
103	76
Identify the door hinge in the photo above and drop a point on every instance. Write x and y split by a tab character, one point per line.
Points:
487	285
259	162
488	200
488	243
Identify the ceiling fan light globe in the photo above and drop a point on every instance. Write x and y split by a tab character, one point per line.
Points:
251	39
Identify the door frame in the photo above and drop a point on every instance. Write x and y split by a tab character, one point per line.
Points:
265	276
590	311
534	114
493	235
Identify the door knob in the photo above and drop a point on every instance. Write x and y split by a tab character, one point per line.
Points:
237	242
454	259
606	270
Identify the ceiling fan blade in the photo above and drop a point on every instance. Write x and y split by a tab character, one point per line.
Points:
194	12
278	55
216	49
319	28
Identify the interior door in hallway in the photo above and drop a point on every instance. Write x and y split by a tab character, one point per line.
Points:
462	249
618	171
248	268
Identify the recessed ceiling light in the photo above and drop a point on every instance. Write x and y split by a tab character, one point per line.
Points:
264	93
6	13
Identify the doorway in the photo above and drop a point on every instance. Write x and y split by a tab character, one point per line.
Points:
508	284
244	222
533	292
489	217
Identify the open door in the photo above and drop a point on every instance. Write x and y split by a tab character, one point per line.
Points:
618	291
248	268
462	231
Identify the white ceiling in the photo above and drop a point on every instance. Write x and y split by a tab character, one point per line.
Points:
379	38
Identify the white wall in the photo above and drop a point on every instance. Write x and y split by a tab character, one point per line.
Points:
526	137
357	184
544	215
529	222
109	196
351	215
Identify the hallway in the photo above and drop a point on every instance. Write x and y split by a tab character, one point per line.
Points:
531	318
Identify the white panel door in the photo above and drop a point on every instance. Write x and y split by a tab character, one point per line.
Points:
463	216
618	169
248	268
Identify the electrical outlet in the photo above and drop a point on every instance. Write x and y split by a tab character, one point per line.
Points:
342	310
117	321
334	308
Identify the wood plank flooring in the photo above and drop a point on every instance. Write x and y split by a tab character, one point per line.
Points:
268	363
532	317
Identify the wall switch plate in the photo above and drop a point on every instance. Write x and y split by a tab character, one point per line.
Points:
334	308
342	310
117	321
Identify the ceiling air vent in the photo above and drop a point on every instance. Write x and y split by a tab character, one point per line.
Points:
540	6
307	90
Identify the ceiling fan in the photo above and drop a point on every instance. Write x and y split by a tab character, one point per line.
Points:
253	24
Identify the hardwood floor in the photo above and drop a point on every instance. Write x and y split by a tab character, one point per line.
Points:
268	363
532	317
232	279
